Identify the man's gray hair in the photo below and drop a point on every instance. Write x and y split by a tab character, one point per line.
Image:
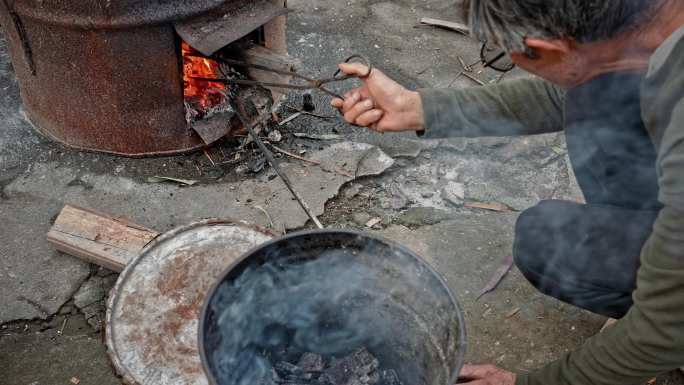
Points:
509	22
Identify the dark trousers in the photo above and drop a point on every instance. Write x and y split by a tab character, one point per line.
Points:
588	254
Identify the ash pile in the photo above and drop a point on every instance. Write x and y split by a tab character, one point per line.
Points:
358	368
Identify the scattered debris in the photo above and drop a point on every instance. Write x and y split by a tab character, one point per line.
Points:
75	380
466	67
375	221
295	156
513	312
64	323
421	216
308	103
290	118
358	368
275	136
268	217
206	153
449	25
361	218
498	276
210	129
361	158
454	193
352	191
241	169
162	179
473	78
495	206
257	165
276	167
305	112
316	136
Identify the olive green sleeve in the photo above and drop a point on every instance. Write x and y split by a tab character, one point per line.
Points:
650	339
517	107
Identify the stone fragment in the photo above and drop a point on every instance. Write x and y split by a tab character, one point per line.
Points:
361	158
373	222
90	292
421	216
352	191
275	136
361	218
454	193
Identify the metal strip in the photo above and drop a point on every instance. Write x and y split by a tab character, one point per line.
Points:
215	30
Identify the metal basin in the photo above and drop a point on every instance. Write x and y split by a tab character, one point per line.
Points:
331	292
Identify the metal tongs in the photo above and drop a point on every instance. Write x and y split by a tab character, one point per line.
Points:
313	84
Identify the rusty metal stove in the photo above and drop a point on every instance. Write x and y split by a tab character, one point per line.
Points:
106	75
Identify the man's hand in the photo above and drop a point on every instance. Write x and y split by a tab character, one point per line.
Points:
381	103
486	375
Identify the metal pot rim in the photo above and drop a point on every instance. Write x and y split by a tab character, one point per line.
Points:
420	260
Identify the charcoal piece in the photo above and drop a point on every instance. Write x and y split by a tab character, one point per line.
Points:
298	377
308	103
286	369
390	377
311	363
366	379
257	165
354	369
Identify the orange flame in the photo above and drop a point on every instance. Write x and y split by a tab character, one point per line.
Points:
201	93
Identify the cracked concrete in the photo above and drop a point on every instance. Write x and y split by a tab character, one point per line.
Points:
37	177
36	197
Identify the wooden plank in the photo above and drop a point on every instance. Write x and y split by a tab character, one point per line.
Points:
450	25
98	238
273	59
275	31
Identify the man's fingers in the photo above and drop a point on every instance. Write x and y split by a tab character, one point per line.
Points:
337	103
357	69
359	108
370	118
350	100
477	371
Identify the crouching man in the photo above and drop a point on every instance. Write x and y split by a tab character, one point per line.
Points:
611	75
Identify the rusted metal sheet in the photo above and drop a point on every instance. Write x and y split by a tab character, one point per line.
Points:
153	311
104	75
107	14
214	30
214	128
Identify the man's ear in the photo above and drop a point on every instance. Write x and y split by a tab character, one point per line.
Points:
557	45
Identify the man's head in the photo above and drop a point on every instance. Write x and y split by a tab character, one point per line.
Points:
559	39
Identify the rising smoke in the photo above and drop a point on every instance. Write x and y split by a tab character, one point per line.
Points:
273	311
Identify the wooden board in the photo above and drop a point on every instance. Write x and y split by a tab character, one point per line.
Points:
273	59
450	25
98	238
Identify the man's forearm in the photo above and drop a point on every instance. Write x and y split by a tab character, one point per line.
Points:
517	107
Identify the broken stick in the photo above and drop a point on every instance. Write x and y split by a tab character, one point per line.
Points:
450	25
274	163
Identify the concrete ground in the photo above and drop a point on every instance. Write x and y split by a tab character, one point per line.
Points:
52	304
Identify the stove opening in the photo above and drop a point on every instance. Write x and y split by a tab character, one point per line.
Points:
208	103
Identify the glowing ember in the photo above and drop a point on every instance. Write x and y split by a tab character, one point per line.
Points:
202	94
